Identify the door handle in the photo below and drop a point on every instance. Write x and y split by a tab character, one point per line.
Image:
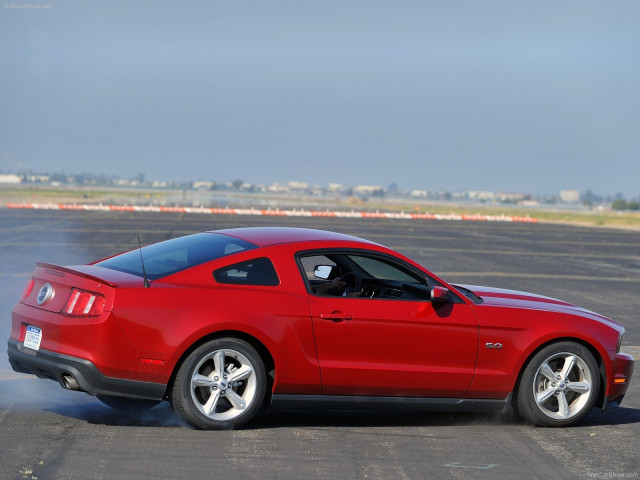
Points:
335	316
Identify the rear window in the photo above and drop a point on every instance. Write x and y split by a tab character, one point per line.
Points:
171	256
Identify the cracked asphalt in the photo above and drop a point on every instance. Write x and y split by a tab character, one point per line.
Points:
50	433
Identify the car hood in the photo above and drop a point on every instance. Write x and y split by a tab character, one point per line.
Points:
500	297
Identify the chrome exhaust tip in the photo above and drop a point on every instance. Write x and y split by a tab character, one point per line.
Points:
69	382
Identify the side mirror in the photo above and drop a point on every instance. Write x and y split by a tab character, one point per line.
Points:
323	271
439	294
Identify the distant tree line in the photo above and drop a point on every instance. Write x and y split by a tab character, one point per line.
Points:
622	204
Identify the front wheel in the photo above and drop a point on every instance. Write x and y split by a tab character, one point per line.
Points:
220	385
559	386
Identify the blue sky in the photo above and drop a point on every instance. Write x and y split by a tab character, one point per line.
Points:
493	95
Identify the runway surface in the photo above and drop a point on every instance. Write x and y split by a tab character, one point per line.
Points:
50	433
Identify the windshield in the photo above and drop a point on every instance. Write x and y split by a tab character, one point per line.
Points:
171	256
469	294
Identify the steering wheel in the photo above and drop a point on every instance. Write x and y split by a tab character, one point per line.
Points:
352	281
371	291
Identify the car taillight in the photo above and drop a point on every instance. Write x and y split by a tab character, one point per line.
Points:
27	289
82	303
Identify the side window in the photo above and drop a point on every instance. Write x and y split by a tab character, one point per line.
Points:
383	270
362	274
259	271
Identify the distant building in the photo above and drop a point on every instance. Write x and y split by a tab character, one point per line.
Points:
10	179
200	185
367	189
277	188
419	193
298	185
481	196
570	196
38	178
509	197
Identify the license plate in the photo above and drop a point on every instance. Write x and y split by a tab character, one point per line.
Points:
33	338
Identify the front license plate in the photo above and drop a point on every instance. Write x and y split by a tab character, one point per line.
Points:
33	337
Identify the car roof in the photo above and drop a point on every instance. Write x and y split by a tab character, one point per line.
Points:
266	236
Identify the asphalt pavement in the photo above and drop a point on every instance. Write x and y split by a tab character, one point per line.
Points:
50	433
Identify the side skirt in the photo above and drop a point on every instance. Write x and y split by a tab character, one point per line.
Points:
344	402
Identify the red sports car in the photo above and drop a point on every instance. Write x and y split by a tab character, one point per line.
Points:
222	323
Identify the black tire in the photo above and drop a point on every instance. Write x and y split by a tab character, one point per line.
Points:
559	385
128	405
220	385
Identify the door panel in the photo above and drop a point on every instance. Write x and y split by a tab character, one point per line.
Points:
383	347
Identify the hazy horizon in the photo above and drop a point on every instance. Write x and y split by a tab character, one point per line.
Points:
229	183
496	95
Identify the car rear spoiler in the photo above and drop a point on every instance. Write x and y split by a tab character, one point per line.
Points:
57	268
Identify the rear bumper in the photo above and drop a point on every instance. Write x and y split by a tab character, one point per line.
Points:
55	366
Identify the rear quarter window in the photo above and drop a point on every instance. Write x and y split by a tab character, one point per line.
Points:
259	271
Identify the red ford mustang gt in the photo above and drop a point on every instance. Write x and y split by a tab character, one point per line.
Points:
221	323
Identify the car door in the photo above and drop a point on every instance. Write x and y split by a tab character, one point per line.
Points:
391	342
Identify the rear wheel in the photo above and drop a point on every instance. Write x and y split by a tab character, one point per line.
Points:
220	385
559	386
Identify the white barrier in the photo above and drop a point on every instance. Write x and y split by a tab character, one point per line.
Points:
271	212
